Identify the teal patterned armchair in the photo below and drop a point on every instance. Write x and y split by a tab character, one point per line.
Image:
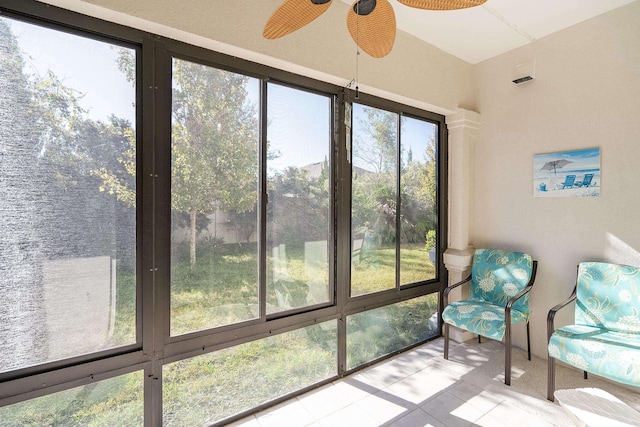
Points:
605	336
499	296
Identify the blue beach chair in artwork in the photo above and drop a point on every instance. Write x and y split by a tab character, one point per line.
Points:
586	181
568	181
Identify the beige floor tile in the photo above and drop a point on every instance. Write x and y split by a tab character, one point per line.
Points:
387	373
512	415
476	396
290	414
489	421
452	411
353	389
422	386
351	416
416	418
324	401
384	407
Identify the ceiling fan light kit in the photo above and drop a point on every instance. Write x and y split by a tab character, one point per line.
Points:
371	23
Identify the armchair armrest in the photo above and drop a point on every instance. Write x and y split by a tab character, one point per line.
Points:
450	287
554	310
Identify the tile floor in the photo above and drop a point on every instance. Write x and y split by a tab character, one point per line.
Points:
419	388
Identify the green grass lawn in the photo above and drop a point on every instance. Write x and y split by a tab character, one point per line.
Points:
221	289
374	270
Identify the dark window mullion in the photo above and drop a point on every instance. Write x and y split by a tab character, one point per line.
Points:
398	195
263	200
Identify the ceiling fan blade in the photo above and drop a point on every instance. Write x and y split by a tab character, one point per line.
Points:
374	29
442	4
293	15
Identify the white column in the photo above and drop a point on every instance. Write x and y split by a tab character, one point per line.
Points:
463	129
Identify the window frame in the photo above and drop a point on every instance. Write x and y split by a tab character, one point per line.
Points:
394	294
154	347
32	381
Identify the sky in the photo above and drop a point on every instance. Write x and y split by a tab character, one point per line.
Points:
85	65
299	126
415	135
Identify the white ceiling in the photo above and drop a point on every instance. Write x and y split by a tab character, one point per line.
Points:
482	32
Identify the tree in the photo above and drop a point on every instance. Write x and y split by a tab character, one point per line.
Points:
117	170
214	144
213	149
375	147
374	195
418	192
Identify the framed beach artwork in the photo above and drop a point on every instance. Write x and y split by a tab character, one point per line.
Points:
567	174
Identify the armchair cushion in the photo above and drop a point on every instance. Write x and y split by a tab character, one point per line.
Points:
496	277
608	296
611	354
605	337
480	317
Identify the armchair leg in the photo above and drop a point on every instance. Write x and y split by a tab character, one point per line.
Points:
507	357
528	342
479	339
585	374
551	378
446	341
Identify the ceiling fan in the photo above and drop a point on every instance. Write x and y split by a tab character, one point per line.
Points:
371	23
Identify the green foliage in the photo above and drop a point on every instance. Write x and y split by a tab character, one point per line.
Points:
431	239
214	140
118	177
214	143
58	117
376	146
374	192
418	195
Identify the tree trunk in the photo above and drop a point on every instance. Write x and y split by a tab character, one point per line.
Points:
192	238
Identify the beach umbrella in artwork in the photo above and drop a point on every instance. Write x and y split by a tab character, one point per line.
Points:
555	164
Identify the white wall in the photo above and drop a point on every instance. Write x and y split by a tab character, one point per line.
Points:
586	93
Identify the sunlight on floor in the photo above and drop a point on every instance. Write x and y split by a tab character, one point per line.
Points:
419	388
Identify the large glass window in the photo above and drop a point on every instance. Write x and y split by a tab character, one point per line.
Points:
206	389
298	209
393	227
187	236
214	184
68	195
385	330
418	209
114	402
373	199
